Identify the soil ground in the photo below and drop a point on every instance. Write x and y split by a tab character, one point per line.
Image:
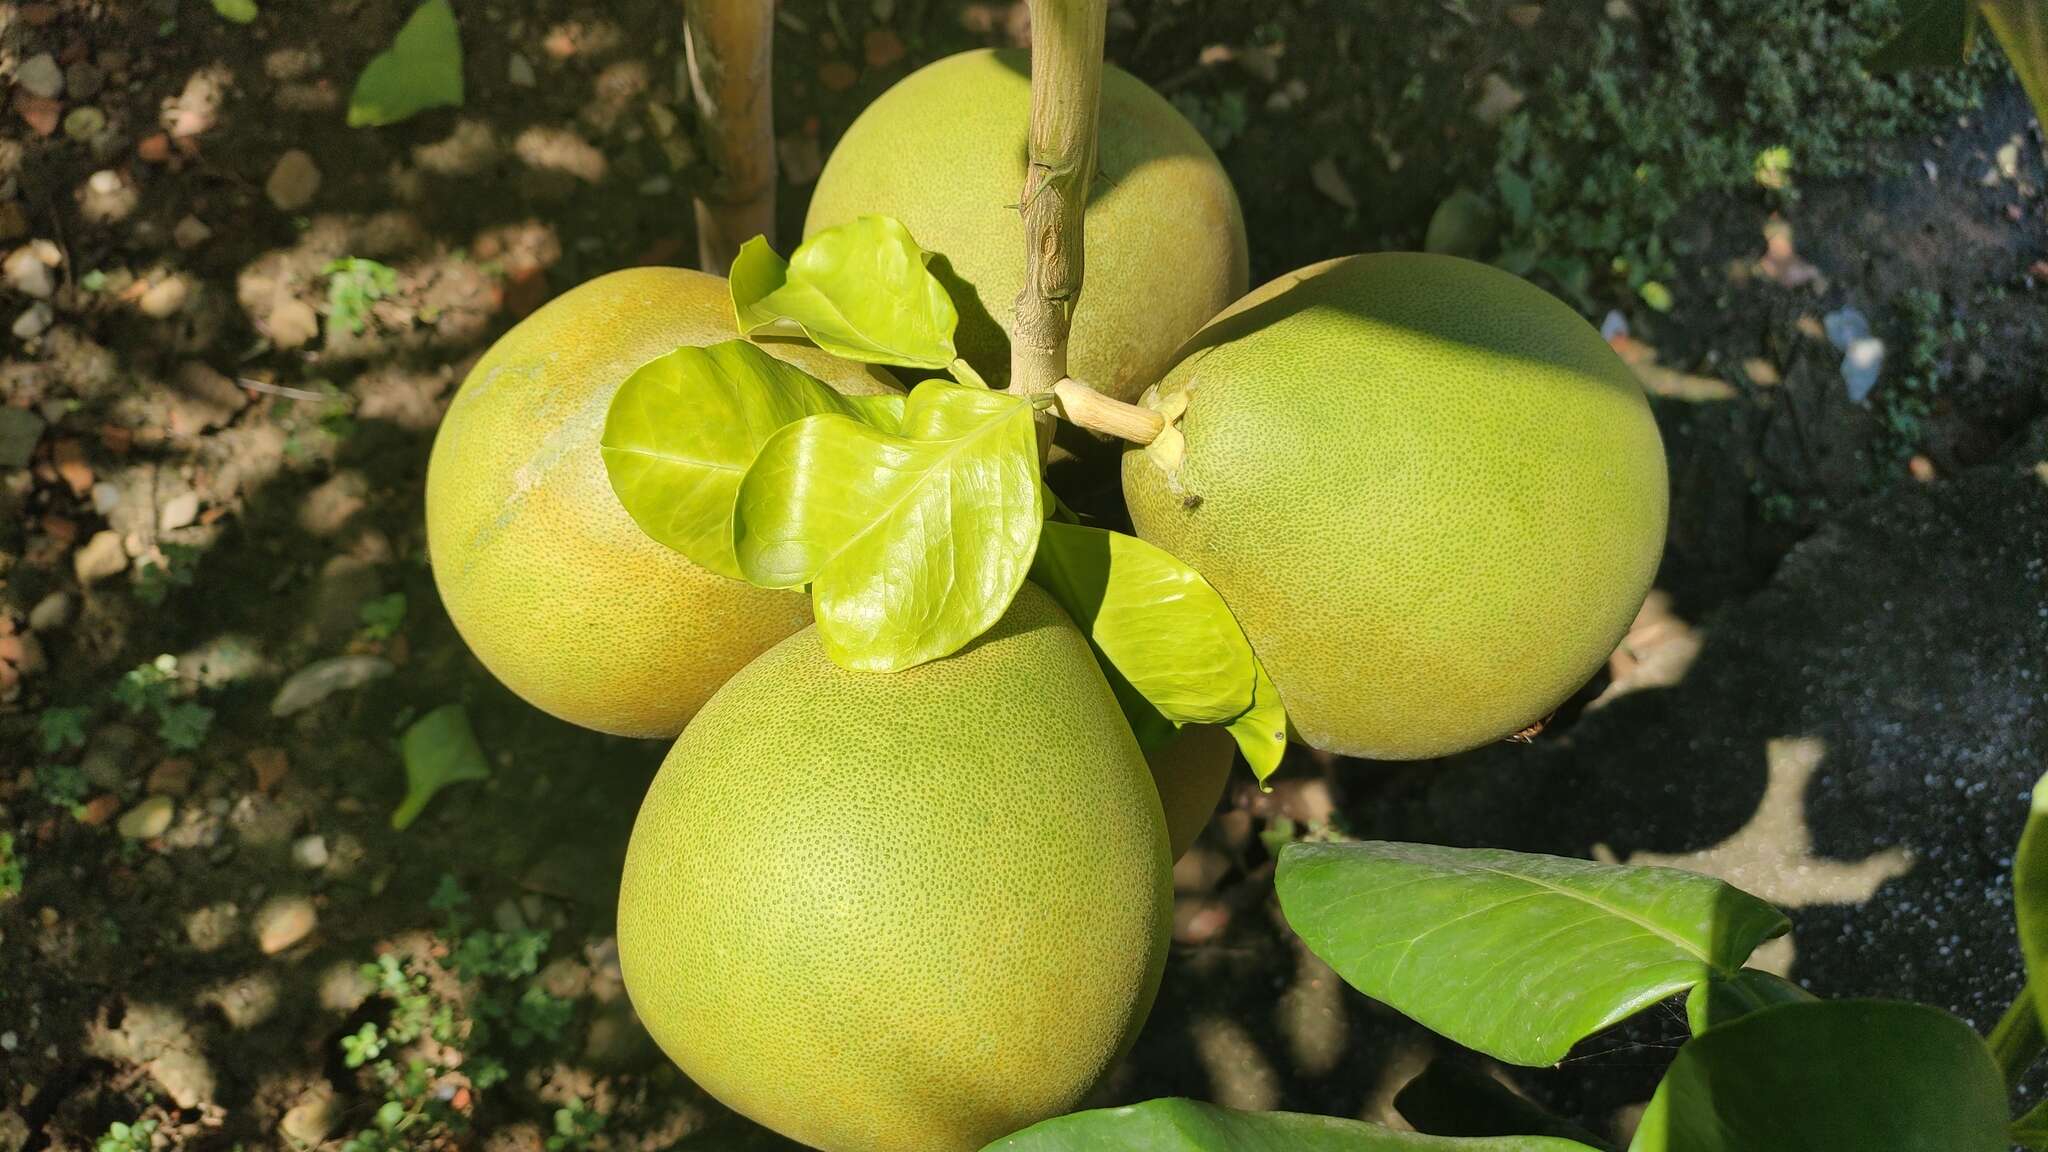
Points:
1837	697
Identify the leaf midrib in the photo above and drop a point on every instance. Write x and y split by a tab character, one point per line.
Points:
1656	929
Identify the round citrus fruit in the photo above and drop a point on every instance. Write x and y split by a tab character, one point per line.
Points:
1190	770
548	579
944	152
1431	493
911	912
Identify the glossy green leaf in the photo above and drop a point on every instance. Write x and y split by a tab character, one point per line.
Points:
914	542
861	291
1261	733
1164	630
1719	999
2030	895
1936	34
2021	27
1454	1099
2031	1130
1830	1076
1175	1125
422	69
439	749
683	428
1516	955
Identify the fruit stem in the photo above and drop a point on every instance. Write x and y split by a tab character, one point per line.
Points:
1079	404
1066	92
730	47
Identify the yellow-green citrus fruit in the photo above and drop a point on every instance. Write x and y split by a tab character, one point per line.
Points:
910	912
548	579
1431	493
944	152
1190	771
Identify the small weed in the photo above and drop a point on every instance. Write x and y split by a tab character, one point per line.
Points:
353	286
10	869
154	581
382	617
500	1015
63	786
1906	400
126	1137
58	729
575	1127
152	688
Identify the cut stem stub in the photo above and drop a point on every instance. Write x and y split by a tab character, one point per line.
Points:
729	47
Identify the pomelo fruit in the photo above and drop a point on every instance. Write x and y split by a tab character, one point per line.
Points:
1431	493
1190	771
548	579
944	152
910	912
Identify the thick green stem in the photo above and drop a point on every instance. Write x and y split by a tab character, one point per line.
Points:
2018	1038
1066	93
730	48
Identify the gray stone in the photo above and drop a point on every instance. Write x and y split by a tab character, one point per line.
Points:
20	429
102	556
39	75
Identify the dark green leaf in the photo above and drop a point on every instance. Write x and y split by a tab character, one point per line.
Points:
422	69
913	543
683	428
1518	956
1936	34
2030	895
2031	1130
1720	999
1188	1126
440	749
861	291
1451	1099
1165	631
1830	1076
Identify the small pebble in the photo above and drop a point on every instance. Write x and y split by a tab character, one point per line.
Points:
40	76
50	613
293	182
165	298
292	323
172	776
34	322
310	852
191	232
282	922
520	72
147	820
106	496
178	512
85	124
102	556
27	273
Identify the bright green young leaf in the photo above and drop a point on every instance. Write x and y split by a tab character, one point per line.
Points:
1516	955
440	749
1830	1076
236	11
1165	631
422	69
884	410
2030	896
860	291
1936	34
2021	27
1454	1099
1174	1125
683	428
913	543
1718	999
